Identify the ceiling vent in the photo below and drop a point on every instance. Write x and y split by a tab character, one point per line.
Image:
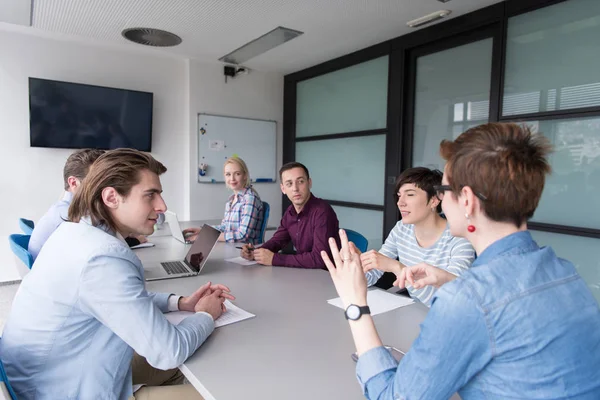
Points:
151	37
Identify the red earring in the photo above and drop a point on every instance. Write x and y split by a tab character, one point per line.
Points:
470	228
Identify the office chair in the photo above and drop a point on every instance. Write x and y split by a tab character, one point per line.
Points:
359	240
263	228
4	380
26	225
19	244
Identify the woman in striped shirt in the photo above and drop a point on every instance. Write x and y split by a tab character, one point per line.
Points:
421	237
244	209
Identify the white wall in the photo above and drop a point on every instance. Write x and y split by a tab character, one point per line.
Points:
31	178
256	95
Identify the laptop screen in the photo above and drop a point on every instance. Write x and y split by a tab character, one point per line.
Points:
171	219
201	248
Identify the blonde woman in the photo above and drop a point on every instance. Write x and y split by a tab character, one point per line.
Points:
244	209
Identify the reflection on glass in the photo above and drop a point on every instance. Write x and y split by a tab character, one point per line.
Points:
452	95
349	100
572	190
553	58
368	223
583	252
350	169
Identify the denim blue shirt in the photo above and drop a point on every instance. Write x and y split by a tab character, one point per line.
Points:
79	315
56	215
519	324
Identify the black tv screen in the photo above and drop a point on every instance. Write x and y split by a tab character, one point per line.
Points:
76	116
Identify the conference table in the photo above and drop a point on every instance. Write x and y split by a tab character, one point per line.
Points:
298	347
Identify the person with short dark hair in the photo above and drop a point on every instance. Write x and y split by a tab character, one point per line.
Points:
521	323
307	223
421	237
75	169
84	309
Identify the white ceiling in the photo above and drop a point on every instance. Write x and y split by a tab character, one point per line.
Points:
213	28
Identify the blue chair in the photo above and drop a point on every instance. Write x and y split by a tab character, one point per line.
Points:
263	228
359	240
19	244
26	225
4	379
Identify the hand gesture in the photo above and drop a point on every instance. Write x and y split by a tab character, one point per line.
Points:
421	275
347	273
375	260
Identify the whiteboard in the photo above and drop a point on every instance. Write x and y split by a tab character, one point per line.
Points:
221	137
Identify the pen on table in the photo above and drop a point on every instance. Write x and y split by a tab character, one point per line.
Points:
251	247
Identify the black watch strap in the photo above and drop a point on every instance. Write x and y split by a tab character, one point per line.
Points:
354	312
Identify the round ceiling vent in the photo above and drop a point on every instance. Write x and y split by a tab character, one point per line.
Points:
151	37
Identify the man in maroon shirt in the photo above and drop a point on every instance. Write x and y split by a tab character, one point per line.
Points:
308	223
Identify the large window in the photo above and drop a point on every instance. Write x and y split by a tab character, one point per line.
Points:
551	82
452	94
574	185
553	59
348	100
535	62
357	163
341	122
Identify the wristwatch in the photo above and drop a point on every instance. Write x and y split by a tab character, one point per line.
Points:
354	312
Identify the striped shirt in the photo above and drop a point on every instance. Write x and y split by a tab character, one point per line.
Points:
243	219
450	253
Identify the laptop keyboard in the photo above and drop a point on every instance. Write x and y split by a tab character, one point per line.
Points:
175	267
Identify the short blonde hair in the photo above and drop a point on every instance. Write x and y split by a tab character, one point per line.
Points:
242	165
119	169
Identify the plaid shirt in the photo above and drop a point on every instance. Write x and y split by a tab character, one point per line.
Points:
242	220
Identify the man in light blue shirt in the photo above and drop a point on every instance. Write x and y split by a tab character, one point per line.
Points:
81	313
75	170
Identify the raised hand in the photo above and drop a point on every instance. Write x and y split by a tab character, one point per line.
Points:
347	272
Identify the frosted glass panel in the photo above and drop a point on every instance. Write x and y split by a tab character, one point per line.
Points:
368	223
350	169
452	95
349	100
572	190
583	252
553	58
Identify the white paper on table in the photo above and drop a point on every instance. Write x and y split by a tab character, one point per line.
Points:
232	315
241	261
379	301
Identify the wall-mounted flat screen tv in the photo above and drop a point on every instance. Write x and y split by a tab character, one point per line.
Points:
76	116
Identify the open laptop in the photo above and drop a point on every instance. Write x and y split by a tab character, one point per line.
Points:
193	262
176	232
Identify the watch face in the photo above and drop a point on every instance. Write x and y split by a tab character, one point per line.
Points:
353	312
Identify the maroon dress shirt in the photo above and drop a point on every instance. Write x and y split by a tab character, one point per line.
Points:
309	231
